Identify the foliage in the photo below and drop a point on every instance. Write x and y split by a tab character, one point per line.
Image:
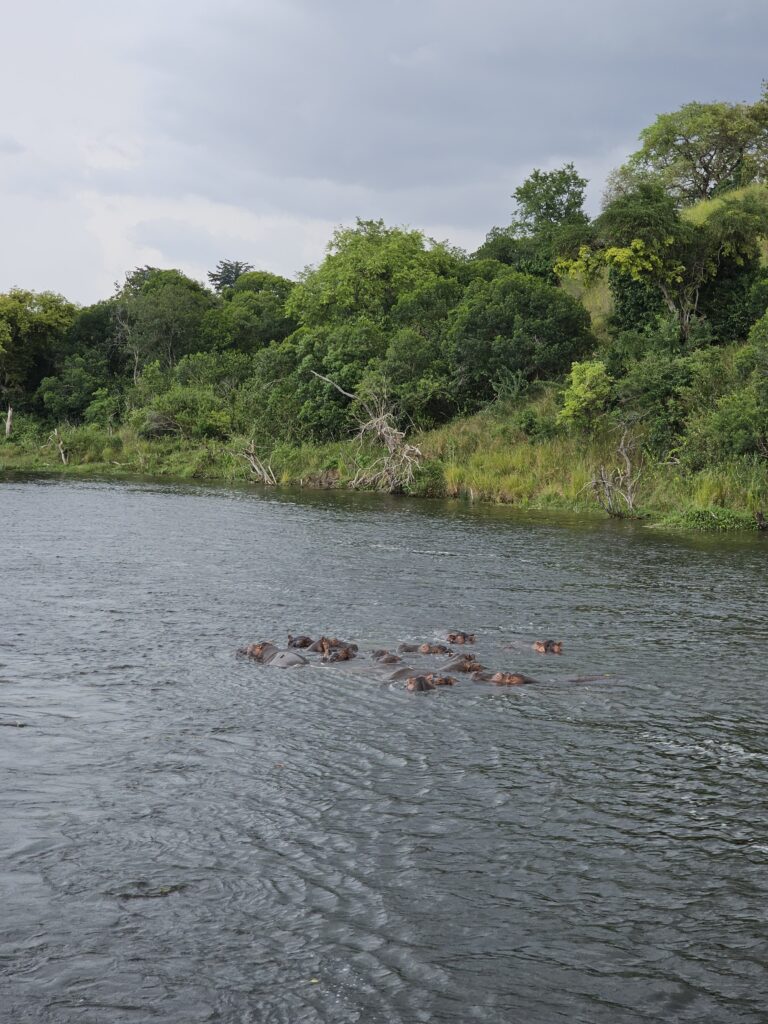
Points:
548	199
227	273
514	323
703	149
589	390
160	316
68	394
641	235
33	326
367	271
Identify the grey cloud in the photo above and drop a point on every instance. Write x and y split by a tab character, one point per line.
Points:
180	243
10	146
394	97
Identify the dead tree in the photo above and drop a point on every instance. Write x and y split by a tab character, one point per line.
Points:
56	439
263	470
394	469
9	421
616	488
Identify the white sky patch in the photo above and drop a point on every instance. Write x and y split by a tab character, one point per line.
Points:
279	243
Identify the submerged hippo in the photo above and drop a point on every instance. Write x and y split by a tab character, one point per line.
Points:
385	657
300	641
464	663
400	673
324	644
548	646
339	654
418	684
460	637
503	678
424	648
267	653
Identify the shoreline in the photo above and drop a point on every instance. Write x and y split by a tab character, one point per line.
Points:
331	468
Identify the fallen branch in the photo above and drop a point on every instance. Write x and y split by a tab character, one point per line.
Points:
263	470
616	489
394	470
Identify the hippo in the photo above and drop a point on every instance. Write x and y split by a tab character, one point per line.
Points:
503	678
437	680
324	644
433	649
300	641
268	654
463	663
400	673
385	658
339	654
548	646
460	637
423	649
418	684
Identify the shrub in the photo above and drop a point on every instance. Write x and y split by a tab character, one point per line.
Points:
587	394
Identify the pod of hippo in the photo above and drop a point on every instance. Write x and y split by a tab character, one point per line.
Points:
331	649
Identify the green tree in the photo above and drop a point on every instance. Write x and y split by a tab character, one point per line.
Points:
252	315
368	269
642	235
226	273
704	149
514	323
67	395
589	389
33	327
159	315
549	199
549	222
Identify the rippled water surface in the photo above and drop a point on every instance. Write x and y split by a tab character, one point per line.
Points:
188	837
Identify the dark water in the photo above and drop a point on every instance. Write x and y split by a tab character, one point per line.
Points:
186	837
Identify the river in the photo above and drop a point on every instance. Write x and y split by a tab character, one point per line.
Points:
188	837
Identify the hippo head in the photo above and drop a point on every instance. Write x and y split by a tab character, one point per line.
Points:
419	684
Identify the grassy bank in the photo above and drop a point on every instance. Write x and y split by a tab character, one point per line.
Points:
510	454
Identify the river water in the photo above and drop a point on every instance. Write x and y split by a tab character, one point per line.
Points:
189	837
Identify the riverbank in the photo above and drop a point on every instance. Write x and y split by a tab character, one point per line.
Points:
497	456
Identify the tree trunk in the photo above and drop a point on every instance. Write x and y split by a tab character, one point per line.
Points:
9	421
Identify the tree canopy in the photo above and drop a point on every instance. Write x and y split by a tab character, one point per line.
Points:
704	149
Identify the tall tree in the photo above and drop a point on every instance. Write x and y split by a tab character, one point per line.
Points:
548	199
33	326
704	149
159	316
226	273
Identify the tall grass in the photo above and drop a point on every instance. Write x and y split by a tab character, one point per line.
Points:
509	453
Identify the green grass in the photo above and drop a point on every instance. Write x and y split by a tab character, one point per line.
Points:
509	453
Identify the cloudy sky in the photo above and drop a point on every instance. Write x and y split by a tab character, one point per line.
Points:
181	132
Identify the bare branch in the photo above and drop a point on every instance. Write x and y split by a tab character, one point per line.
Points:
394	470
616	489
263	470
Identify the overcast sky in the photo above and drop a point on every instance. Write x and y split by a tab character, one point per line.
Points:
181	132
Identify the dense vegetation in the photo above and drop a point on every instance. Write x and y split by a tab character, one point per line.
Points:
559	339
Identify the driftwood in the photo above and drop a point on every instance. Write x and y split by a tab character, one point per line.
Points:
395	468
263	470
616	489
9	421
